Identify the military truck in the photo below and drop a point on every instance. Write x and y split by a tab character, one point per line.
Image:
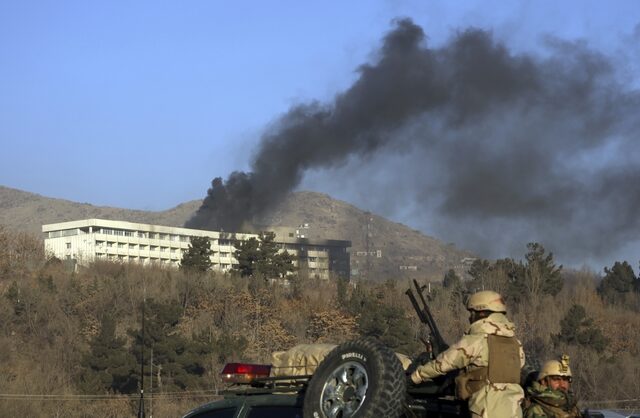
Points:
358	379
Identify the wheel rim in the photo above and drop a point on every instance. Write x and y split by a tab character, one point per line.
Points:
344	391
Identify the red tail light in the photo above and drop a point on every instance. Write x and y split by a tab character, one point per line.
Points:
244	373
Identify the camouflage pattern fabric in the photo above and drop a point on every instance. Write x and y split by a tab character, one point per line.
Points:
547	403
472	351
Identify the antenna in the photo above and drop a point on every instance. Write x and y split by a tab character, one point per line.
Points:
141	403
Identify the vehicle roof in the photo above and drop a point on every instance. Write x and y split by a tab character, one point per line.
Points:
243	399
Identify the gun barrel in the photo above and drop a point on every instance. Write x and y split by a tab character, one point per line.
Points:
438	343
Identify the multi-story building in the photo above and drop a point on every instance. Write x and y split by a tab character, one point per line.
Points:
88	240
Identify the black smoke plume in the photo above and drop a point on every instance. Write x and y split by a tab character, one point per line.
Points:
500	148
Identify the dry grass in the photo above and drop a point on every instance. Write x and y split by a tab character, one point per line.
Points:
48	315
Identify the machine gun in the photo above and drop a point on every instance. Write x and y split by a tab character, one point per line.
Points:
435	343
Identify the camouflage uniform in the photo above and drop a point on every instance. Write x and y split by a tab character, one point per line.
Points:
544	402
493	400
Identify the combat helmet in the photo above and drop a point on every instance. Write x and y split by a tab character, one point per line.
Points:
486	300
555	368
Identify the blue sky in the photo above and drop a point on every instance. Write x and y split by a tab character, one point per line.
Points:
141	104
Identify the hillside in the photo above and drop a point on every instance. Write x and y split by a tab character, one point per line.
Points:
24	211
395	250
87	327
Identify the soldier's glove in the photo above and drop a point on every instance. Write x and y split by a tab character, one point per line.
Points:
422	359
409	380
413	379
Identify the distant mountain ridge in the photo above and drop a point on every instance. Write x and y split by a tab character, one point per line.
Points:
27	212
381	249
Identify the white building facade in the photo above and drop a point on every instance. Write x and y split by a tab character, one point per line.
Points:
88	240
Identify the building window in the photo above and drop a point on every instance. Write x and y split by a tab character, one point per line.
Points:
68	245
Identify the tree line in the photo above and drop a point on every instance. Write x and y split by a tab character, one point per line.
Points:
76	334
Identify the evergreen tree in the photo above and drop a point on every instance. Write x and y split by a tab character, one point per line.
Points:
506	272
451	280
108	366
247	253
342	289
577	329
176	363
198	255
497	276
282	264
618	281
13	294
453	285
479	271
541	274
229	346
266	265
383	319
262	258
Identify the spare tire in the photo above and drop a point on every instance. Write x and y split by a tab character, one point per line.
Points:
360	379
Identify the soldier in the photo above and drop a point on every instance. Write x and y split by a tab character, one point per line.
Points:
551	396
489	358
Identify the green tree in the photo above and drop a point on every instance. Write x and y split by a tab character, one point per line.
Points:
618	281
509	271
497	276
266	265
247	253
452	283
451	280
479	271
342	291
517	280
541	276
229	346
262	258
14	295
108	366
177	364
381	318
198	255
389	324
576	328
281	264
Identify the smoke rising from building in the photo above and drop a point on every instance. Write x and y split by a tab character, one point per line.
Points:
500	148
